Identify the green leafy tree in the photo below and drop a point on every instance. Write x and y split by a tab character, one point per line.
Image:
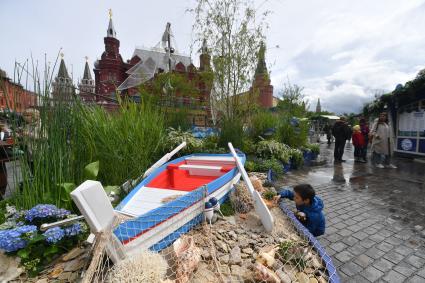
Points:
233	30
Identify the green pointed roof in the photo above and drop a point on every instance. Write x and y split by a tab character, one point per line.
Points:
261	64
63	72
87	73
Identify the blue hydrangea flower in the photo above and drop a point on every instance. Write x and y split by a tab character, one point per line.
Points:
45	211
11	241
73	230
26	229
62	213
20	223
54	235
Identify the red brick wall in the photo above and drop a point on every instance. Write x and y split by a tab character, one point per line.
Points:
16	97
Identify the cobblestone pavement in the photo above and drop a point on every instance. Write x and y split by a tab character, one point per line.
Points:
375	217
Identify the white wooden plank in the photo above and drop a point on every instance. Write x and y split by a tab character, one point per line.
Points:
147	199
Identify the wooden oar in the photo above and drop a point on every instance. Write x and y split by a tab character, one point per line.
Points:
164	159
259	205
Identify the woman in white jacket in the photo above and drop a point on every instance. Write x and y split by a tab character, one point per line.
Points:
382	136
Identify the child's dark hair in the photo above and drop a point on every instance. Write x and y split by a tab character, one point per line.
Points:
306	191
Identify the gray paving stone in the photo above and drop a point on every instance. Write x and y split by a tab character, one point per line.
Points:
422	272
393	241
364	260
405	269
375	253
394	277
351	269
360	235
350	241
367	243
357	250
377	238
403	250
372	274
345	232
333	238
394	257
385	246
344	256
383	265
358	279
338	247
416	279
416	261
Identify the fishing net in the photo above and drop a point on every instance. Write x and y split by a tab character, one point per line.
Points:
233	248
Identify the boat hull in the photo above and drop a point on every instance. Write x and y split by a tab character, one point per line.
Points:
157	229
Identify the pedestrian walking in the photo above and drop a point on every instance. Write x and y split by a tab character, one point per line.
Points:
381	136
342	133
364	128
328	131
359	144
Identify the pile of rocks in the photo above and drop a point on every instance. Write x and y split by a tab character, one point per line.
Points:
67	268
233	246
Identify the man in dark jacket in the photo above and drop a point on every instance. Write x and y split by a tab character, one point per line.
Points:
342	132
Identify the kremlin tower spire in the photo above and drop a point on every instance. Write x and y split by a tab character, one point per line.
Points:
110	70
63	88
111	30
86	85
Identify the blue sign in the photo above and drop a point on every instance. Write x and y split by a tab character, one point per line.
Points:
406	144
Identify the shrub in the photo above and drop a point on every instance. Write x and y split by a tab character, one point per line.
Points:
269	194
297	158
272	149
231	131
265	165
313	147
177	136
291	133
261	122
210	145
227	209
20	235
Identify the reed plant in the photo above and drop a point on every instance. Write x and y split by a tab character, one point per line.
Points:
70	134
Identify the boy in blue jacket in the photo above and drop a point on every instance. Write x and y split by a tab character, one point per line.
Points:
311	205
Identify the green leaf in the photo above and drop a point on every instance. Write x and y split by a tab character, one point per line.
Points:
91	171
36	239
115	189
66	188
50	250
23	253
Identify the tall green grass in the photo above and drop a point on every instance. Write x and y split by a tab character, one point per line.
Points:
71	135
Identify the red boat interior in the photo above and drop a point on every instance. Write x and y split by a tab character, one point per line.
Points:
177	178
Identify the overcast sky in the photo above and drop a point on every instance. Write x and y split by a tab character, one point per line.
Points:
342	51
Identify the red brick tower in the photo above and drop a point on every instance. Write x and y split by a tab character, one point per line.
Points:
262	81
110	70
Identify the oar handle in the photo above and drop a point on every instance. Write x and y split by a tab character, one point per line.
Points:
46	226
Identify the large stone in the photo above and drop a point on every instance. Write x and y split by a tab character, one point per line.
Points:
204	275
243	243
302	277
283	276
231	220
224	259
233	235
235	256
73	265
73	254
9	268
221	246
313	280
